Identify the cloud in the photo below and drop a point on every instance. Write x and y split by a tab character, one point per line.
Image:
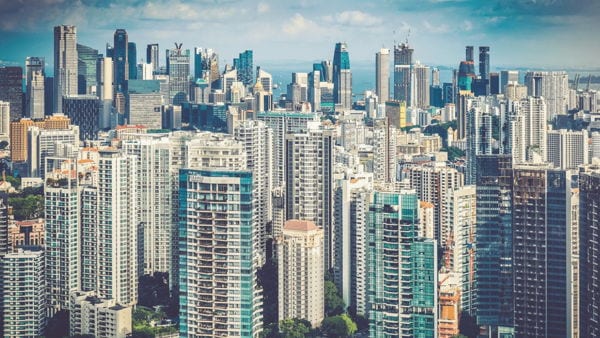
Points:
298	24
353	18
262	7
466	26
439	29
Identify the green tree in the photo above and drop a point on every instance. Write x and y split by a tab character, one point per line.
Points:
334	304
338	326
294	328
27	207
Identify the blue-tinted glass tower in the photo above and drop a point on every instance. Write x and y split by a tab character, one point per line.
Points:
121	64
245	68
131	60
342	77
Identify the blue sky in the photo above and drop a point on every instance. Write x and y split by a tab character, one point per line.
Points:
531	33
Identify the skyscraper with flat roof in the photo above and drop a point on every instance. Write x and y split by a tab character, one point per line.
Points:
152	55
35	86
382	74
178	67
120	57
65	64
132	60
342	77
87	58
403	60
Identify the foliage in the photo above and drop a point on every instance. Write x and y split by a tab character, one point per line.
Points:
27	207
334	304
454	153
294	328
468	325
338	326
154	290
14	181
142	319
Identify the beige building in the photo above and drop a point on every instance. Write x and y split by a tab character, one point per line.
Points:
91	315
300	260
18	133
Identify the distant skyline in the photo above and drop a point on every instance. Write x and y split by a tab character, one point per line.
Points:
560	34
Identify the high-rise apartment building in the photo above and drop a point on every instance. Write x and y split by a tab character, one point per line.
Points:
528	131
508	77
11	89
589	253
24	293
18	133
342	77
300	272
98	317
121	61
382	74
553	87
34	97
308	180
178	68
479	136
567	149
43	143
5	121
384	151
219	294
65	64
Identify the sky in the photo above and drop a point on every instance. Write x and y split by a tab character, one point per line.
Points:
542	34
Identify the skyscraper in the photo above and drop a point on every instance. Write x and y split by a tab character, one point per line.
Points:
553	87
342	77
65	64
198	73
34	97
484	67
121	61
420	86
87	58
62	223
528	131
11	90
152	55
300	272
478	137
178	68
589	255
105	90
245	67
216	256
568	149
403	60
132	60
506	77
84	111
382	74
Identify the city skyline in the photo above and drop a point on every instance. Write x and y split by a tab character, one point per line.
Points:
304	31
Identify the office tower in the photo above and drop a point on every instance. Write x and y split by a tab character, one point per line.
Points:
5	121
104	91
48	95
65	64
210	66
402	72
469	54
553	87
506	77
245	68
222	242
43	143
87	58
198	63
178	68
382	74
479	136
308	180
132	60
493	238
567	149
432	184
90	315
152	56
61	209
327	70
460	255
265	79
528	131
18	134
300	272
463	104
540	226
24	293
154	206
314	90
494	83
121	61
257	141
117	242
342	77
35	77
402	269
395	112
144	71
11	89
351	198
144	104
384	151
420	87
484	67
589	258
84	111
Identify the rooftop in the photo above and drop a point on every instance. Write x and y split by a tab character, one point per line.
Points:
299	225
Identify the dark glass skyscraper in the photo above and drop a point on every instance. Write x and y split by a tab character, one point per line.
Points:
589	252
403	60
87	58
244	66
342	76
121	63
131	60
11	90
484	67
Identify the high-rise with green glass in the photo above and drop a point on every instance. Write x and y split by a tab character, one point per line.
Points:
402	269
218	291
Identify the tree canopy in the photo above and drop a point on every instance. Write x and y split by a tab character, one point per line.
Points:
334	304
338	326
